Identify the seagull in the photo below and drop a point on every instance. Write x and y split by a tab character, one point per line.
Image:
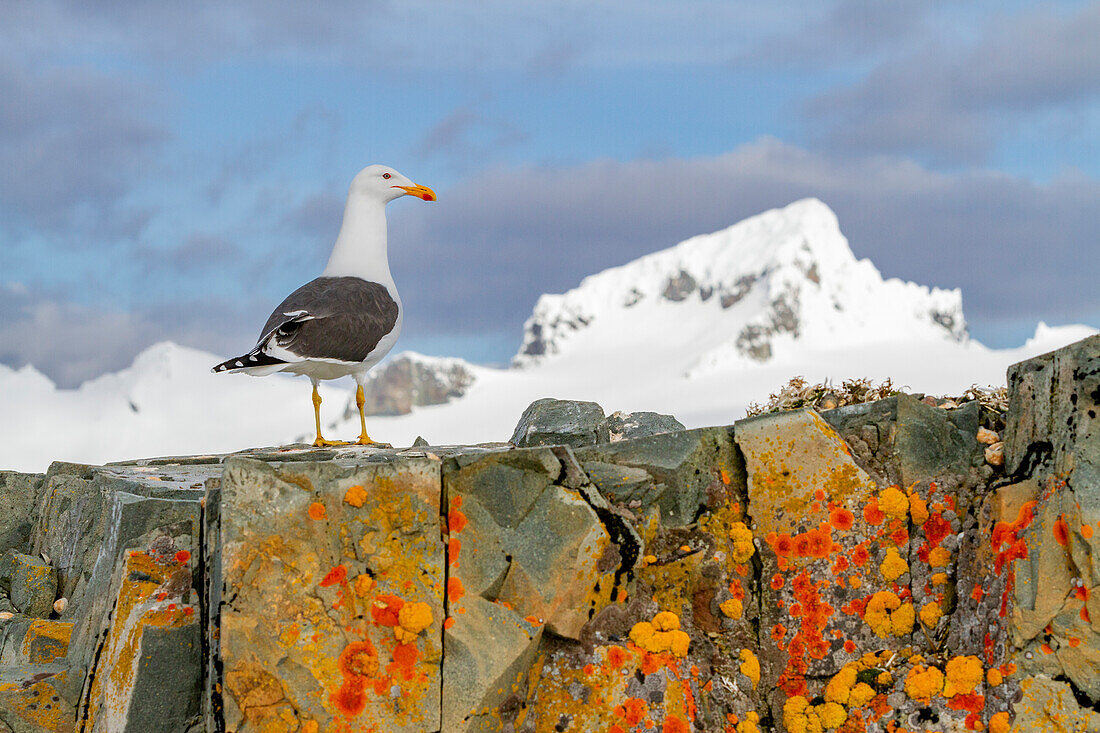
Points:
343	322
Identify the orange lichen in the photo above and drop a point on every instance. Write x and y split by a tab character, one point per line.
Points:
872	514
183	556
337	575
841	519
385	610
355	496
839	688
994	677
777	581
1061	530
455	589
860	556
1086	531
999	723
456	521
317	511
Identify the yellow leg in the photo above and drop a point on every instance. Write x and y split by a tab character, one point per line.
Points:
360	400
320	441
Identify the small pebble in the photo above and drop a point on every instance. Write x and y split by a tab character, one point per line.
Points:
995	454
60	605
987	436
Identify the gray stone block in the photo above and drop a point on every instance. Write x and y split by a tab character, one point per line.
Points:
561	422
33	586
622	426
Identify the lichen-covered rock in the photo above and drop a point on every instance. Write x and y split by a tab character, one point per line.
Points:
18	494
621	425
863	569
560	422
331	595
33	585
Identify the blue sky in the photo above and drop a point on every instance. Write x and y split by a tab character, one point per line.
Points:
172	170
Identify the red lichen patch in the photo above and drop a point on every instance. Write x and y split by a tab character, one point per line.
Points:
977	593
405	655
456	521
783	546
317	511
358	659
936	529
632	711
454	547
338	574
802	545
1074	641
183	556
872	514
455	589
860	555
1046	648
849	646
674	724
351	698
821	541
1061	531
448	622
617	657
900	536
840	565
841	519
777	581
1081	593
778	632
385	610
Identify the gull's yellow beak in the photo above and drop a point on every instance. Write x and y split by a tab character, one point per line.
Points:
422	192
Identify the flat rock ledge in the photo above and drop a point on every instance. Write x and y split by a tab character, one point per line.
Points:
869	568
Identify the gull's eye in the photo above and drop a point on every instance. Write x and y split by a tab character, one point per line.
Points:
386	175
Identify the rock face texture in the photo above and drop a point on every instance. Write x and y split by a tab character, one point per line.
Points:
867	568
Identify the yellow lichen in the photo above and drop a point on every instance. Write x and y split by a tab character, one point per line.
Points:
861	694
939	557
930	614
832	714
894	566
662	635
363	584
887	615
993	677
742	548
732	608
750	724
412	619
355	496
964	674
922	683
750	666
666	621
939	579
840	686
794	714
884	679
893	502
649	559
918	509
998	723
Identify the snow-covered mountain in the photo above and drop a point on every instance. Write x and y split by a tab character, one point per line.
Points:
767	288
698	330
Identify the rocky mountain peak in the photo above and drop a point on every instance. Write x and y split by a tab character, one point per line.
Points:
784	277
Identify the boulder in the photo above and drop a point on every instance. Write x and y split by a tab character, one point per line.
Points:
621	425
33	585
561	422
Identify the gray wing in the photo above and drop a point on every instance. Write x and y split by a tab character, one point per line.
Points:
340	318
